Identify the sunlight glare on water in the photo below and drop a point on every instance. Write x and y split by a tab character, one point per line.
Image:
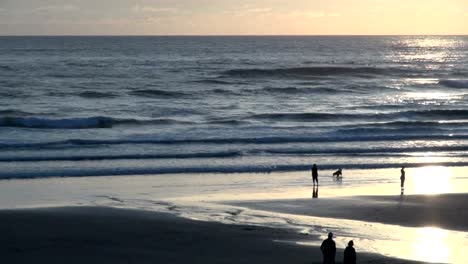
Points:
431	180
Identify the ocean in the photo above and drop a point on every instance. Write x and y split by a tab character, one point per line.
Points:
96	106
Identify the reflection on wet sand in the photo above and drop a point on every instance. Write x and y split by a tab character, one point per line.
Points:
315	191
432	245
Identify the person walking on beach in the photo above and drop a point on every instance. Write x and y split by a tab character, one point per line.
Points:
314	174
328	249
349	254
402	178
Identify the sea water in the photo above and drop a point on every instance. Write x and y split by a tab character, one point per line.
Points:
91	106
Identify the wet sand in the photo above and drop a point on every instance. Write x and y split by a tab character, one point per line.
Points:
449	211
106	235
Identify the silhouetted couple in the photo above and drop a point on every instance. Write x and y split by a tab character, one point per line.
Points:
328	249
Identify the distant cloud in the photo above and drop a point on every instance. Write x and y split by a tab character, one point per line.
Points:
152	9
56	8
461	11
312	14
258	10
100	21
249	11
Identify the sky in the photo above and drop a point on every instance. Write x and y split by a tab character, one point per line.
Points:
233	17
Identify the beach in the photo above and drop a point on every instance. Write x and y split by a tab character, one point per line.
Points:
231	218
171	149
106	235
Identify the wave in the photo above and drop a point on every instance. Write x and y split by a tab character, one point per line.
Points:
375	152
79	122
213	81
449	114
82	172
223	154
251	140
93	94
65	123
454	83
302	90
422	126
83	64
442	113
6	68
390	131
317	72
365	151
304	116
156	93
223	92
14	112
233	122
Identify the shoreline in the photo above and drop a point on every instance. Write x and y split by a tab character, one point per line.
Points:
110	235
278	202
448	211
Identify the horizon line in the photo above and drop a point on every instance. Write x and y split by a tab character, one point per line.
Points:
235	35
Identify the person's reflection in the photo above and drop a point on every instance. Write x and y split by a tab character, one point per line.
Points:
315	191
402	199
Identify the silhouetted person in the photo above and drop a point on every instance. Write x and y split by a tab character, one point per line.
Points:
338	173
349	254
328	248
402	178
315	191
314	174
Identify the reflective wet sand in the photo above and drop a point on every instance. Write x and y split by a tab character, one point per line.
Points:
285	200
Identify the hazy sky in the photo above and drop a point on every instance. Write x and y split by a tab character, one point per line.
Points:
227	17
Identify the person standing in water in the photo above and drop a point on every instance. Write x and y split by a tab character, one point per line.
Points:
314	174
402	178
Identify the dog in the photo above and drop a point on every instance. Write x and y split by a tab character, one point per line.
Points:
338	173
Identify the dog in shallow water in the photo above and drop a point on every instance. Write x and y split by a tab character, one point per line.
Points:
338	173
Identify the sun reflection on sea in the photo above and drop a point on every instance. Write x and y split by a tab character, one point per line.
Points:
431	180
433	49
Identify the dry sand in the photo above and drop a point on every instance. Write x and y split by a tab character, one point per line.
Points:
106	235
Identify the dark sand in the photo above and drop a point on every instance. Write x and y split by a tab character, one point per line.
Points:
448	211
105	235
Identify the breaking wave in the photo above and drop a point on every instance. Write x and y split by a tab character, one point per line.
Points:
209	169
246	140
